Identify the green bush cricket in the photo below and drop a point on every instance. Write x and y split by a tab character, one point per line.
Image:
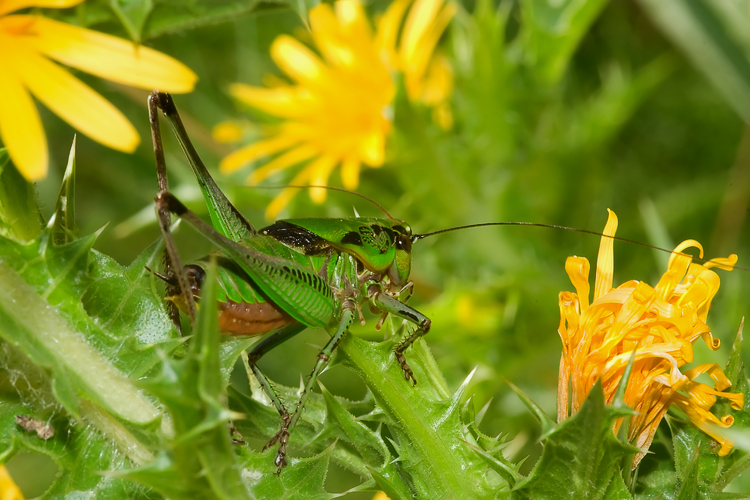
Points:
294	274
291	275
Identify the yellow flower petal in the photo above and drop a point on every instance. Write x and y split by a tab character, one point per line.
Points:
286	160
226	132
578	271
13	5
74	102
283	199
605	261
254	151
388	28
725	263
372	149
320	170
415	64
107	56
297	61
419	20
350	172
20	127
325	32
8	489
438	81
282	101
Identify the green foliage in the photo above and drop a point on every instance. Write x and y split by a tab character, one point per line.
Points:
561	109
714	36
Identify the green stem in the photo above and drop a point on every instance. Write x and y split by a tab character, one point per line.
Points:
420	413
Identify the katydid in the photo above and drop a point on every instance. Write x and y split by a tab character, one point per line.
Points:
294	274
291	275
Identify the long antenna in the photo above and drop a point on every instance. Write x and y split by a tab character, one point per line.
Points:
418	237
332	188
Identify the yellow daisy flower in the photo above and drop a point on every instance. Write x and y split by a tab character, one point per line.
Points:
660	324
336	112
28	42
8	489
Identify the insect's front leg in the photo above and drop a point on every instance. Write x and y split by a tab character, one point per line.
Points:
389	304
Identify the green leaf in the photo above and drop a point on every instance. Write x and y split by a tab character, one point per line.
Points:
200	461
63	224
432	443
552	30
302	8
49	341
19	214
147	19
688	489
314	431
581	457
368	444
713	35
171	16
303	479
548	425
133	15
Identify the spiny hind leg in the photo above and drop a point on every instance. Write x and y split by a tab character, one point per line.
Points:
323	357
260	349
177	283
393	306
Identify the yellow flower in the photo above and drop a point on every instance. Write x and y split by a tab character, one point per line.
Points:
8	489
660	324
337	111
26	43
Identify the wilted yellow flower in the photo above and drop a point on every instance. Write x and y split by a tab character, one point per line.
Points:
26	43
8	489
660	324
337	111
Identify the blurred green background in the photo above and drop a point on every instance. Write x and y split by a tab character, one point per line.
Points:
622	105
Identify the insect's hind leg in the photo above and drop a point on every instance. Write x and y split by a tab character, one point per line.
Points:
177	283
391	305
323	357
253	357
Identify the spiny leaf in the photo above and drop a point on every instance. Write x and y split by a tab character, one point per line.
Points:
368	443
688	489
429	437
312	435
303	479
547	423
201	462
581	456
49	341
63	225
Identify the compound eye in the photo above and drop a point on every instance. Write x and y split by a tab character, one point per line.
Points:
403	242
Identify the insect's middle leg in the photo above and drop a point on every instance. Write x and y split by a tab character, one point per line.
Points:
391	305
